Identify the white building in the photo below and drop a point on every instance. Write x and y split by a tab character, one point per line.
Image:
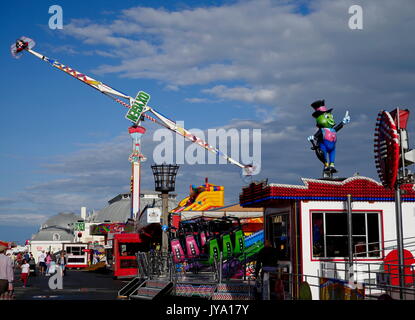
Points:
309	224
53	233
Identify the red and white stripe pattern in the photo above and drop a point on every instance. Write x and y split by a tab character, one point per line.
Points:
386	148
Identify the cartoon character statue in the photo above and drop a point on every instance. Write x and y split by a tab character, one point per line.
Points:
324	140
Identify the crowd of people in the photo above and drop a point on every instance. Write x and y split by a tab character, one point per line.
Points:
49	261
46	265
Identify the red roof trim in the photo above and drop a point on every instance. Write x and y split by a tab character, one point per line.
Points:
360	188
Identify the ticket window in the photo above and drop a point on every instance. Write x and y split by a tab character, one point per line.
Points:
131	249
127	254
278	230
75	251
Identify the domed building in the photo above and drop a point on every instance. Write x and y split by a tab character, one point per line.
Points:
53	233
68	227
116	216
119	208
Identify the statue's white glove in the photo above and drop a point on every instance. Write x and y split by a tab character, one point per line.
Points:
346	118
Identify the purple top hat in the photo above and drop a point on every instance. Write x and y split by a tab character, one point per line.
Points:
319	108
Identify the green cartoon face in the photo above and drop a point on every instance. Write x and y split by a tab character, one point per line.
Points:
325	120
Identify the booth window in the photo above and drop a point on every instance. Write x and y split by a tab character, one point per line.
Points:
131	249
76	260
76	251
330	237
278	227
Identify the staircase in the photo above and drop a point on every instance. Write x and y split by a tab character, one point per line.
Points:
234	291
152	289
130	288
194	290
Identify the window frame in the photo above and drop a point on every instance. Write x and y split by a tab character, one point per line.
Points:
334	211
271	231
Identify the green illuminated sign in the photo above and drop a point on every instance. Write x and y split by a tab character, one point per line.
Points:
136	110
79	226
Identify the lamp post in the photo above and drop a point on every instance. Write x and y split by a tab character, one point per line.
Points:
165	180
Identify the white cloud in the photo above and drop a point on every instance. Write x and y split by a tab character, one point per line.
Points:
6	201
22	219
199	100
283	58
263	53
260	95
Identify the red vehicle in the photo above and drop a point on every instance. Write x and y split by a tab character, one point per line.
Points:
125	248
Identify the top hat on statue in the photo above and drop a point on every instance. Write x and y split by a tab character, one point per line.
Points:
319	108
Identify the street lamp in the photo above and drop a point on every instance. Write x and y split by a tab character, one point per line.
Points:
165	180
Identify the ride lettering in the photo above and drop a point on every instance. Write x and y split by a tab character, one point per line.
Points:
134	113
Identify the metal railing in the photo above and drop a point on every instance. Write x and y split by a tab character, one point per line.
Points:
335	289
409	244
362	280
377	279
157	264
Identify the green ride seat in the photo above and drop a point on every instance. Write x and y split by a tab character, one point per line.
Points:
239	242
213	251
227	248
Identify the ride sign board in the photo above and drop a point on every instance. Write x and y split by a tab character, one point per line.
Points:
79	226
153	215
137	109
387	149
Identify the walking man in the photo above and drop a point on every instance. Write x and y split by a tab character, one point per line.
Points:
42	264
6	273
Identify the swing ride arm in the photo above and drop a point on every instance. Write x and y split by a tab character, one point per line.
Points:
115	95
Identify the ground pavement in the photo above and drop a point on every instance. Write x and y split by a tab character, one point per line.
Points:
77	285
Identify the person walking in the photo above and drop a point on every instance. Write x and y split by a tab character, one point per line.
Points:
6	273
19	259
32	264
25	272
26	256
49	259
267	260
41	260
62	262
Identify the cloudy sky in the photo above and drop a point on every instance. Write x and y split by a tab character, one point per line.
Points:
212	64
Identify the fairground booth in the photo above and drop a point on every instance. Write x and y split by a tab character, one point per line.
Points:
308	223
345	238
121	246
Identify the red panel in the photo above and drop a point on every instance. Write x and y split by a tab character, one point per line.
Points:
391	266
403	117
124	237
176	221
76	266
387	149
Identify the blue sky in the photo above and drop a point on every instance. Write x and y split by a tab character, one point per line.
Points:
211	64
